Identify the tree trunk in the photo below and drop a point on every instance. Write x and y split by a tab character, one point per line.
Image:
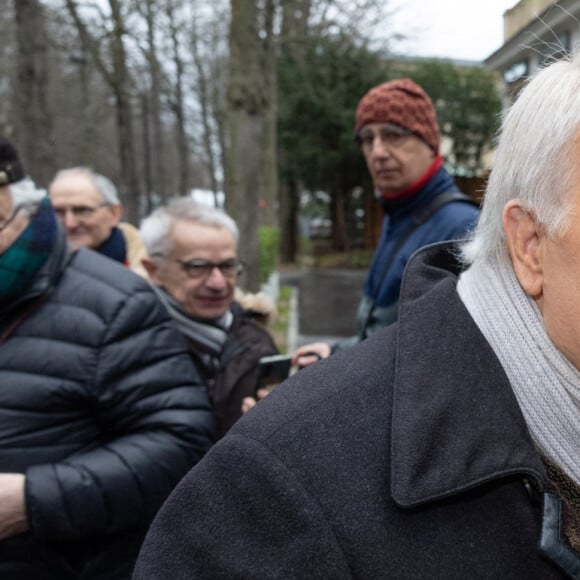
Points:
88	140
158	179
35	123
221	121
269	186
294	33
246	131
148	175
130	184
203	93
288	221
340	238
295	26
179	105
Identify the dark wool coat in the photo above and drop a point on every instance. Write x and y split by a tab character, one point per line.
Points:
406	457
101	408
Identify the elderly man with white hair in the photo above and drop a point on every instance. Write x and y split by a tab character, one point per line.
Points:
445	446
88	206
101	409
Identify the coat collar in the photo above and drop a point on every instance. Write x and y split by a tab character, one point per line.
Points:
456	422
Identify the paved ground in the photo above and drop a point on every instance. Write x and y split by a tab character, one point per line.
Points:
323	305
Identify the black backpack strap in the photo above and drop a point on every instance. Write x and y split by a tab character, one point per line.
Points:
439	201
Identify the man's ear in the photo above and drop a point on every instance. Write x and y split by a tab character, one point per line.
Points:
525	238
151	268
117	211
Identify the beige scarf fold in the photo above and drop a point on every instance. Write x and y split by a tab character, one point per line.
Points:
546	384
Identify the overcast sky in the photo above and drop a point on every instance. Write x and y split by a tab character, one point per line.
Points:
462	29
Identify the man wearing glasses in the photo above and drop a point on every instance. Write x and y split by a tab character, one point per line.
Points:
194	264
101	408
396	128
88	206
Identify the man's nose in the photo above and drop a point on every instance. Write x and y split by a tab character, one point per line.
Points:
216	279
69	219
379	148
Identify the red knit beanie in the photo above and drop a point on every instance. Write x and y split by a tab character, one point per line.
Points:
404	103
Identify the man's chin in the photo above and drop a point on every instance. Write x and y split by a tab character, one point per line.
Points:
389	186
211	312
78	242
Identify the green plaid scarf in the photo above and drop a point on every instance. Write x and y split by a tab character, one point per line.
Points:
22	260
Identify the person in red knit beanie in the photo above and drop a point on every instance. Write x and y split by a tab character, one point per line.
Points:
397	130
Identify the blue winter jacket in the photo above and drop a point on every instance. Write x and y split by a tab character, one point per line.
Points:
453	220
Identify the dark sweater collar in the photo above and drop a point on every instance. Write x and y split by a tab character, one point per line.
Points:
445	440
114	246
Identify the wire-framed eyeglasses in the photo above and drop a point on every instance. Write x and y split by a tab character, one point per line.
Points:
389	134
79	211
29	207
198	269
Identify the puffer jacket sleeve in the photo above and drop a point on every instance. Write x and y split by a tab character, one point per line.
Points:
156	421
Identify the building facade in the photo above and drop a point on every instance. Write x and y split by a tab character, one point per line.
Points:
535	33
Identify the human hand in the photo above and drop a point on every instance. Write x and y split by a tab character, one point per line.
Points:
310	353
247	404
13	518
250	402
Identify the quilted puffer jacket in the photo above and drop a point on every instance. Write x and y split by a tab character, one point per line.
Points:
101	408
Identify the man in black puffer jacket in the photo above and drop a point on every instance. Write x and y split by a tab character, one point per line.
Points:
101	409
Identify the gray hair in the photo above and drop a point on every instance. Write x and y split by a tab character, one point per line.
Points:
103	185
533	161
25	192
155	229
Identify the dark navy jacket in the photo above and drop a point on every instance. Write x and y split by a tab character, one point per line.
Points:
450	222
405	457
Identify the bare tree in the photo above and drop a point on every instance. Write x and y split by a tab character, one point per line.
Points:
218	104
154	161
178	99
115	70
204	94
85	68
34	126
81	103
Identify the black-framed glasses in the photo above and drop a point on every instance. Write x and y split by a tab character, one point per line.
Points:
79	211
389	134
15	212
202	268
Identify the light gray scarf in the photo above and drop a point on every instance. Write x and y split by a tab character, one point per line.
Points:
211	335
546	384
